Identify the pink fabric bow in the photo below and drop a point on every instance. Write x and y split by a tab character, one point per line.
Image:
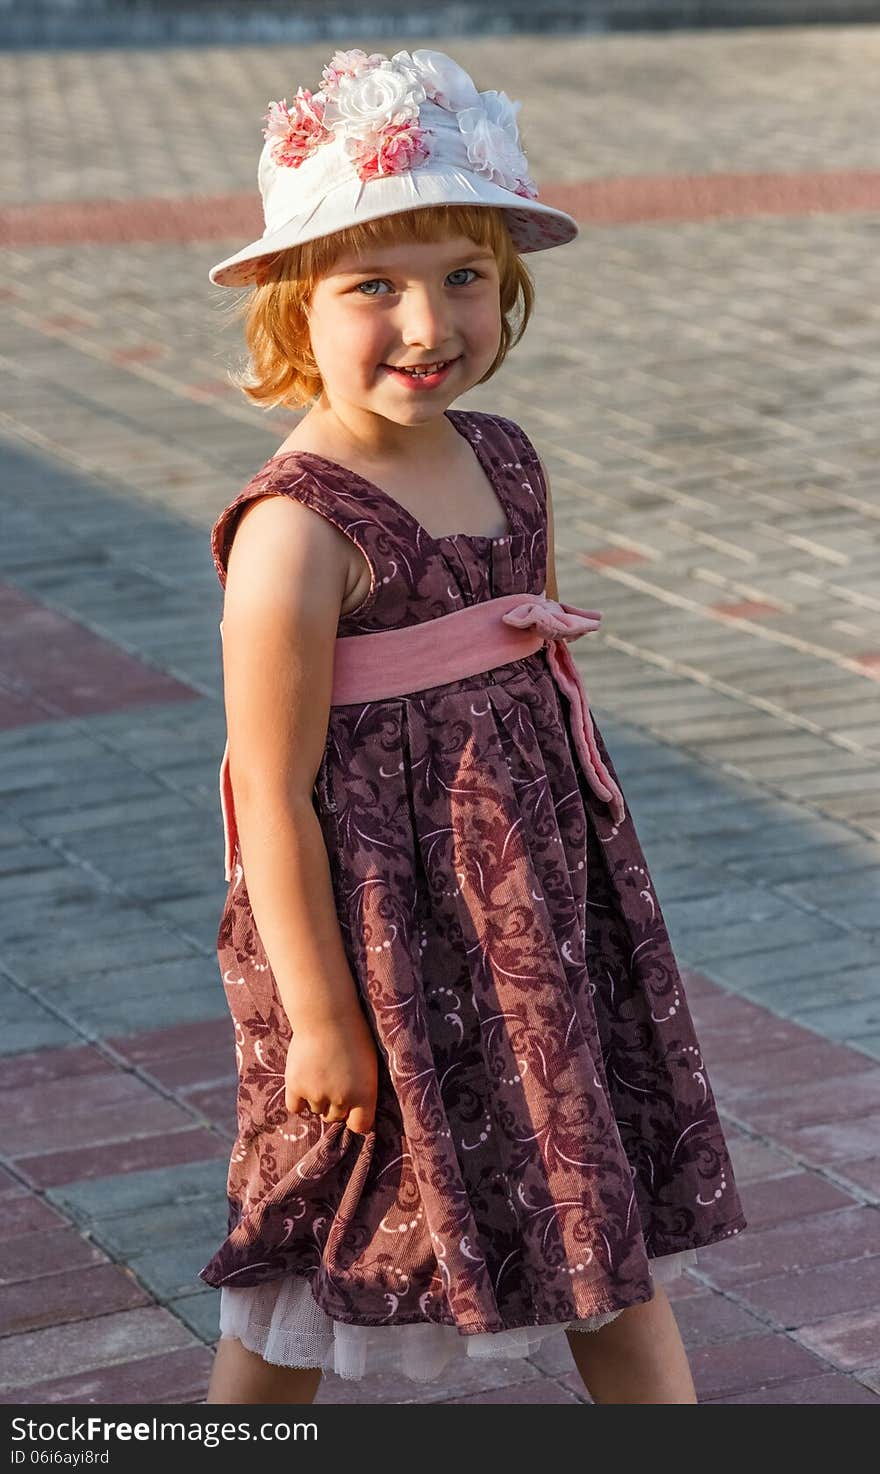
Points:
553	619
560	623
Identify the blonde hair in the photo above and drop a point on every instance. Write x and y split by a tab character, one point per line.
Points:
281	369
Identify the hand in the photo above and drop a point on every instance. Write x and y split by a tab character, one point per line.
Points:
333	1069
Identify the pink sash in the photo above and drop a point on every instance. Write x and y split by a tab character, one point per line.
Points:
418	657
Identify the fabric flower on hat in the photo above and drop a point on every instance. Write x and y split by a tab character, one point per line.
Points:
348	64
295	131
375	108
389	151
492	141
382	96
372	105
445	82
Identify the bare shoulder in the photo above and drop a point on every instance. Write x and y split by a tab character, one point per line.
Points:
284	551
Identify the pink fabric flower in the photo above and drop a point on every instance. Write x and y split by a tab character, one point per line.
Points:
296	131
348	64
387	151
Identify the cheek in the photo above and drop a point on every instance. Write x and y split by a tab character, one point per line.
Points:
341	337
482	322
356	340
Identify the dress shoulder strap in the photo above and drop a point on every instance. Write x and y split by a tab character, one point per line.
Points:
515	464
281	476
517	460
361	513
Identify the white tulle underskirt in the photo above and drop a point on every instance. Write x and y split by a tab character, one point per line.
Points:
281	1322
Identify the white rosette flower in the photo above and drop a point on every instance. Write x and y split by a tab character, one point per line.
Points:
385	96
492	141
445	82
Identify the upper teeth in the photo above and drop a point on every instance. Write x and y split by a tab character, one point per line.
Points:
430	368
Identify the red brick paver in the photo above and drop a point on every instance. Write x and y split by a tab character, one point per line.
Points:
68	1295
51	668
652	197
850	1341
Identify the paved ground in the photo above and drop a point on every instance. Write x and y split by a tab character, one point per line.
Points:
701	376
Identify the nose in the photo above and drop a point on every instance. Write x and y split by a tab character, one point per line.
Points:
426	319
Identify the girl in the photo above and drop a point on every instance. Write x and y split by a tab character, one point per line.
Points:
472	1109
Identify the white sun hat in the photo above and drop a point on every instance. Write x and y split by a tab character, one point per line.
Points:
385	135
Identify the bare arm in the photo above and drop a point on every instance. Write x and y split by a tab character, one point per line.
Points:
285	585
551	588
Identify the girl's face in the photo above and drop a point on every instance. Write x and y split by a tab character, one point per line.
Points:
405	306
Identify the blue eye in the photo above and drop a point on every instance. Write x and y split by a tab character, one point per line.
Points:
378	281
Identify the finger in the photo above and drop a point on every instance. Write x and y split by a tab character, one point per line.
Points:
334	1113
360	1120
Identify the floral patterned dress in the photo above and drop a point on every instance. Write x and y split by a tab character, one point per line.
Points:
545	1128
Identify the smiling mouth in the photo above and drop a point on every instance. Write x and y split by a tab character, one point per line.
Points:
421	371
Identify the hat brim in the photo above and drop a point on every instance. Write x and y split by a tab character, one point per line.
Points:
533	226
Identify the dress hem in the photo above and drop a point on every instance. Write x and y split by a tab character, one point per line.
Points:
291	1331
659	1250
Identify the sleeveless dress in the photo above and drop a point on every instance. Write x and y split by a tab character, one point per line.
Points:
546	1140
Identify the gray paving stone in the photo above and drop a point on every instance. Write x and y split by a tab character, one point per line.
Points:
67	963
864	784
864	914
27	1025
857	809
127	1015
750	970
12	834
100	816
149	975
690	882
95	990
50	756
728	825
80	790
849	1021
197	917
809	865
704	786
808	835
743	906
200	1312
125	1235
84	914
23	859
52	887
104	1197
720	949
42	1031
798	995
158	884
787	764
173	1270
